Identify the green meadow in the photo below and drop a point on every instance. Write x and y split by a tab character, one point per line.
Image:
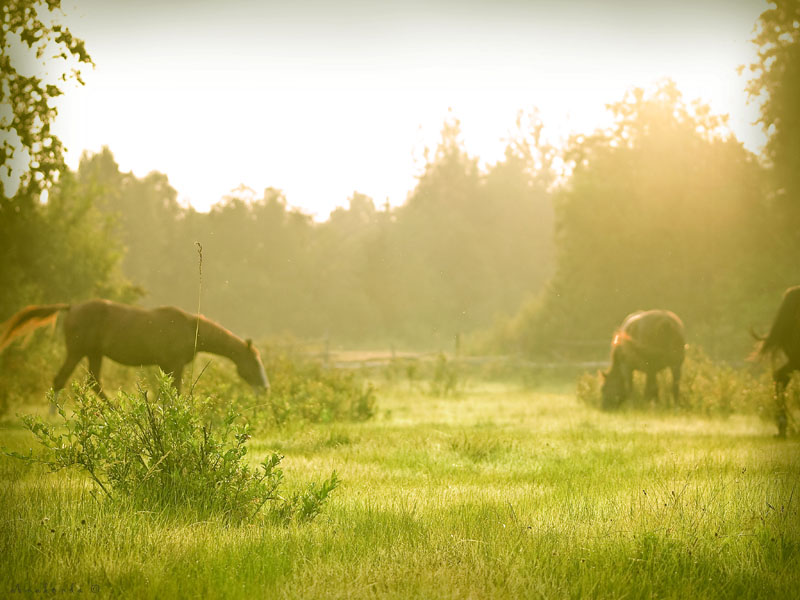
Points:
498	491
212	166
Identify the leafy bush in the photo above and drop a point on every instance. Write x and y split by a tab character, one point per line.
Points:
445	379
718	388
160	455
588	389
433	375
301	389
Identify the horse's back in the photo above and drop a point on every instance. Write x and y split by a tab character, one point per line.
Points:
654	339
84	322
129	334
658	326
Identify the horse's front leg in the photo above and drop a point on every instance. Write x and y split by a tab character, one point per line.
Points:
627	379
651	386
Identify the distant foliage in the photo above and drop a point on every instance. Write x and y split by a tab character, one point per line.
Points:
588	390
158	454
446	378
711	387
306	390
417	274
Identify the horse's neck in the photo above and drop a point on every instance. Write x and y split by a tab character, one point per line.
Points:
216	340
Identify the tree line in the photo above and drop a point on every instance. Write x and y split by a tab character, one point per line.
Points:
467	245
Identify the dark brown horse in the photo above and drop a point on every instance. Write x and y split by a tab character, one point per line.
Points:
647	341
134	336
783	336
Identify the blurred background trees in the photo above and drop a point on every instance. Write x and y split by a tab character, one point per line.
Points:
665	209
544	252
465	248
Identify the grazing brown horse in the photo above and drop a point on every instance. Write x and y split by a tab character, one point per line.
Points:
783	336
134	336
647	341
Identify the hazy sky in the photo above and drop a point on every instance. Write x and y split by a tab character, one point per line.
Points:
324	98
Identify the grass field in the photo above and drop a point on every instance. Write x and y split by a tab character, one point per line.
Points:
500	492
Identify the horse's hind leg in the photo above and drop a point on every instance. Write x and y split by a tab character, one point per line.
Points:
676	384
651	386
60	380
95	364
782	377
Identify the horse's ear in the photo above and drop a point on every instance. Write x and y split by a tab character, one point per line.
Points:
249	342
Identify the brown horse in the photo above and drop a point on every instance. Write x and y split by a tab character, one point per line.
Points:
647	341
134	336
783	336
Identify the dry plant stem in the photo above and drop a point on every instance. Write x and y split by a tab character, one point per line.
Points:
197	324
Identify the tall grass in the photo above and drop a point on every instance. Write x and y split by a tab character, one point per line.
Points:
496	493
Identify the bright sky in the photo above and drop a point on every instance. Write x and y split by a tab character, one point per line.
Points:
323	98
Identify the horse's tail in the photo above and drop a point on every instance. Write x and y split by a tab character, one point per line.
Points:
28	319
788	313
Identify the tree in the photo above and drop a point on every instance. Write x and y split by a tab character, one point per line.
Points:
475	244
776	84
443	260
518	226
662	209
31	155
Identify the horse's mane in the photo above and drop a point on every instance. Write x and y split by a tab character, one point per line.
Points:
27	320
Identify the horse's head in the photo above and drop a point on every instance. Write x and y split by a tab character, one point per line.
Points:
251	369
613	389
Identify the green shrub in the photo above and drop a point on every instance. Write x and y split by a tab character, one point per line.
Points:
161	455
306	390
588	390
445	379
711	387
300	390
